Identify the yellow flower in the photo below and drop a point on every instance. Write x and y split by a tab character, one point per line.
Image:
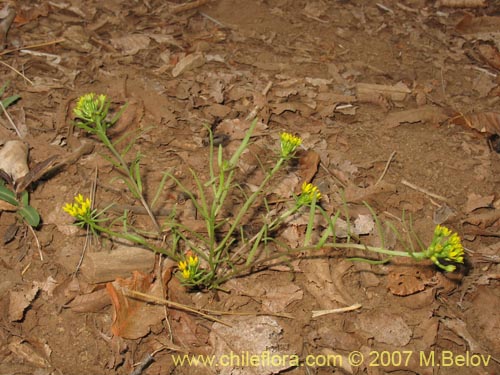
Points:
193	261
91	106
441	231
80	209
308	193
446	246
289	144
191	273
186	274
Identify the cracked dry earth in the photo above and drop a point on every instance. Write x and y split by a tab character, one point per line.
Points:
397	103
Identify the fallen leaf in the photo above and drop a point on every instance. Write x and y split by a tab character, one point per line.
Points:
490	55
484	122
131	44
354	193
187	63
385	327
236	129
405	281
262	334
91	302
308	165
426	113
47	286
484	219
26	352
19	302
133	318
397	92
14	159
475	201
329	292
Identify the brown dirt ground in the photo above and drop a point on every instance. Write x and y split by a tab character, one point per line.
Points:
320	58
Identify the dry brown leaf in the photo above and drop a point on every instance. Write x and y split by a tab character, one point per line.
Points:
277	297
133	318
14	159
490	55
426	113
397	92
315	9
475	201
405	281
328	291
189	62
484	122
26	352
308	165
484	219
92	302
386	328
236	128
354	193
131	44
256	334
19	302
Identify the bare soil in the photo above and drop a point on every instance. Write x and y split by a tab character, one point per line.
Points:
400	102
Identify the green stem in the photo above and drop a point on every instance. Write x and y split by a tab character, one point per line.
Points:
129	237
417	255
247	205
101	133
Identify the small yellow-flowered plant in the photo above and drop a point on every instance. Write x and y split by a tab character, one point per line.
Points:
446	246
289	144
309	193
91	107
80	209
190	270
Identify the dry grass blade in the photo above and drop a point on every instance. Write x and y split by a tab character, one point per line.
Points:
149	298
316	313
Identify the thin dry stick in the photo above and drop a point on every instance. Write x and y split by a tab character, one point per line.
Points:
18	72
10	120
422	190
386	168
180	306
31	46
37	242
316	313
217	312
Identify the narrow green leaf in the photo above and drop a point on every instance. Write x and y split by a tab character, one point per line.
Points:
30	215
2	89
11	99
8	196
25	199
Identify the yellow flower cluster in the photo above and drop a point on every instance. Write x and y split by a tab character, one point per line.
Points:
189	267
90	106
79	209
311	190
308	193
289	144
447	246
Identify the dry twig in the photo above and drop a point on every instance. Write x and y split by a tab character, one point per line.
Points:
386	168
422	190
316	313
